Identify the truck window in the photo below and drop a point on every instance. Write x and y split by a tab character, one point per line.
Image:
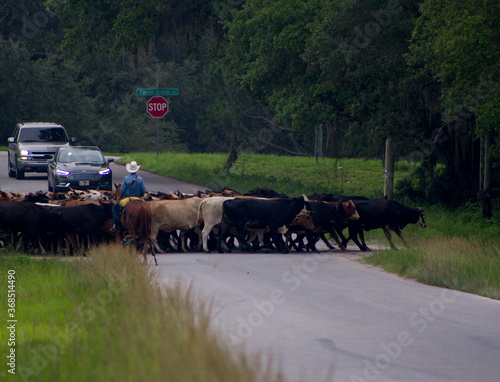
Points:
43	135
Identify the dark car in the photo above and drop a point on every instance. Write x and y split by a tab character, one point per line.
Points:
80	168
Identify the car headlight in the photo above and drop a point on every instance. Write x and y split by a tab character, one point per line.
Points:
105	171
25	152
62	172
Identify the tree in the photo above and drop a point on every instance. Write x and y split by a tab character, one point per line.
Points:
39	90
265	43
459	43
455	42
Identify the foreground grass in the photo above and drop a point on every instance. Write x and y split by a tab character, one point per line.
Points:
290	175
107	318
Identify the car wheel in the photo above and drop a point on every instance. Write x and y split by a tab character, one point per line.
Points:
19	173
12	173
49	186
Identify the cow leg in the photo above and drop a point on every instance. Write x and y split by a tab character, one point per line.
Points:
327	243
336	238
152	248
182	242
341	236
241	236
152	237
388	236
354	231
290	242
298	243
223	230
278	241
312	239
400	234
204	235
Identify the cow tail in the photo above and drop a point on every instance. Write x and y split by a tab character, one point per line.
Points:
198	215
145	221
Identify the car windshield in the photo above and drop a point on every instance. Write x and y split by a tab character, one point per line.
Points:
53	134
80	156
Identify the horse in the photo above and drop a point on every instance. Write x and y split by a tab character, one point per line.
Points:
136	220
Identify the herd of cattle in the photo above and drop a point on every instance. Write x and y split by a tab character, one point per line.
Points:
258	220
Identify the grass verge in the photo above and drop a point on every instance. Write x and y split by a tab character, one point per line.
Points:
290	175
468	265
458	250
107	318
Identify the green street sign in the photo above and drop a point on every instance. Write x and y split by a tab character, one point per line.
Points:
157	92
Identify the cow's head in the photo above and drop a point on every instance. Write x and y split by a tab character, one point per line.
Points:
420	222
350	210
304	219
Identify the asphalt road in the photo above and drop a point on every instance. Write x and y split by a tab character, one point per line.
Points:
38	181
328	317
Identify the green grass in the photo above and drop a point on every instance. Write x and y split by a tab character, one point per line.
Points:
468	265
290	175
108	318
458	250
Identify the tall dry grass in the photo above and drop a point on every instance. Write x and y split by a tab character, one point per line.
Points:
137	329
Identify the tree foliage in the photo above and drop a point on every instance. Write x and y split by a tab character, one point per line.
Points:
458	41
263	76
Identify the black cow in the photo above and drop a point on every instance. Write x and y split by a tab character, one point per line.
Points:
381	213
334	198
29	219
83	221
265	193
272	214
325	216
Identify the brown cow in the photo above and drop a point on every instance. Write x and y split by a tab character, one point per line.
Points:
136	219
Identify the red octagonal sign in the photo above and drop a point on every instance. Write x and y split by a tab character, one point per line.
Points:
157	107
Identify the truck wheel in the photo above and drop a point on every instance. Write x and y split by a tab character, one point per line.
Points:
12	173
19	174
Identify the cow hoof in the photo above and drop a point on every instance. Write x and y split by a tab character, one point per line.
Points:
342	248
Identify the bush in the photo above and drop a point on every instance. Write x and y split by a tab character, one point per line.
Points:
445	186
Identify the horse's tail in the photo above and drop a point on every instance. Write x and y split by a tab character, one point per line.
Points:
145	221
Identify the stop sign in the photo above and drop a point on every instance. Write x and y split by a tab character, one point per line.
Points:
157	107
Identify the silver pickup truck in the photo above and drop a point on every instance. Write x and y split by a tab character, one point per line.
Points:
33	144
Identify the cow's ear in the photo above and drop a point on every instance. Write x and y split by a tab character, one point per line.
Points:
305	198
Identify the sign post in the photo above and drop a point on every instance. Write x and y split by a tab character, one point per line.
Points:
157	106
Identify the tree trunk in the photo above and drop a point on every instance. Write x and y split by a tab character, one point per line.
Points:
232	156
484	193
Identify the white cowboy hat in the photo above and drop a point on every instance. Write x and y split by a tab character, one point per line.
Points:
132	167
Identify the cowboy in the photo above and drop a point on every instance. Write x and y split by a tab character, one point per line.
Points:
132	185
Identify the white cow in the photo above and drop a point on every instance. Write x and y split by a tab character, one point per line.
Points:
210	211
172	215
